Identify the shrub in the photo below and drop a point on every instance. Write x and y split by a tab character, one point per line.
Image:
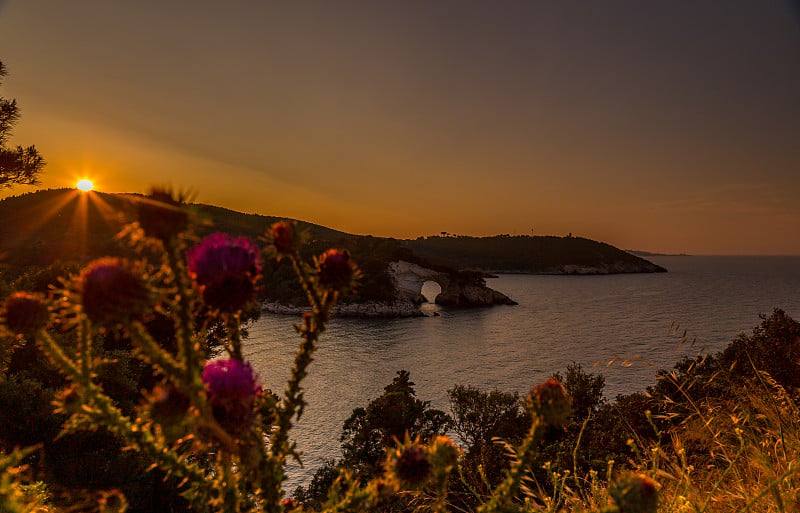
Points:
369	431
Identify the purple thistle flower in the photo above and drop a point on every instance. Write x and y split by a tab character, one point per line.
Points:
230	378
226	269
232	387
219	254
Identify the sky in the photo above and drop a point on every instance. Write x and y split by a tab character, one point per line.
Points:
662	126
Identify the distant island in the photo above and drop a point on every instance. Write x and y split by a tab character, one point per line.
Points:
53	228
530	254
642	253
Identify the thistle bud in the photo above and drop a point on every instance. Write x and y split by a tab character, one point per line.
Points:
335	269
161	215
408	465
636	494
226	269
443	452
550	402
113	502
283	237
413	465
112	292
25	313
232	387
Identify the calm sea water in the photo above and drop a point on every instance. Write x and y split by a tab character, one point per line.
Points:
559	319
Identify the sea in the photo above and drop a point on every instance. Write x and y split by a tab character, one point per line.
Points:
624	326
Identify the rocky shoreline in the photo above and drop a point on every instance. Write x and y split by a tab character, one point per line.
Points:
368	310
408	279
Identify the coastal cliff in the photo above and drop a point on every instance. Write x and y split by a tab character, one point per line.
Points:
459	289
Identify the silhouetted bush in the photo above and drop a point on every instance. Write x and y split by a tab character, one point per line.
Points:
369	431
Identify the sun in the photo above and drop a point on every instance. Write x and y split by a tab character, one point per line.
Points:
84	185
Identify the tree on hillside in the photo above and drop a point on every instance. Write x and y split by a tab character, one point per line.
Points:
369	431
585	389
18	166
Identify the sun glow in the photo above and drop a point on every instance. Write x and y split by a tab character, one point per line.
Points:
84	185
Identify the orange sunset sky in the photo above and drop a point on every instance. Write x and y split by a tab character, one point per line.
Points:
663	126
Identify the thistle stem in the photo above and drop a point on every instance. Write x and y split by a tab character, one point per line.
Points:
56	355
293	402
104	413
235	335
85	351
153	353
184	330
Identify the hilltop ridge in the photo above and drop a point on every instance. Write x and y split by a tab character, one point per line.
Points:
541	254
62	225
50	220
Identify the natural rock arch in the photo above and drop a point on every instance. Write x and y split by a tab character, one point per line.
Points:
409	278
431	290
